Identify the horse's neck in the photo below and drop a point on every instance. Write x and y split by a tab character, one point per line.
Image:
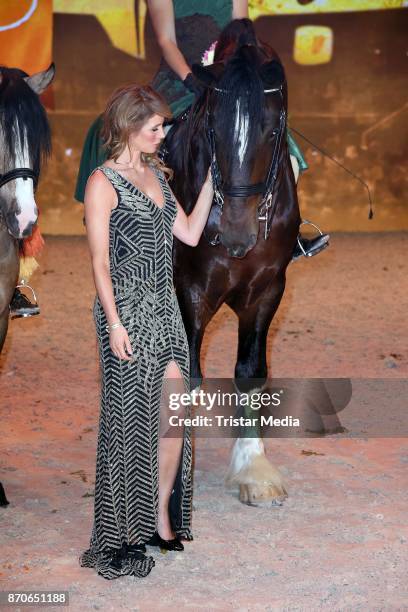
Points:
8	244
185	184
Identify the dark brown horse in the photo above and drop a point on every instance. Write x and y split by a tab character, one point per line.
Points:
24	142
239	125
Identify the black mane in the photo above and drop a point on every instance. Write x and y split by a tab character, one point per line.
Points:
240	81
20	105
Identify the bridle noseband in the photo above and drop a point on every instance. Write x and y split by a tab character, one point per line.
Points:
24	173
242	191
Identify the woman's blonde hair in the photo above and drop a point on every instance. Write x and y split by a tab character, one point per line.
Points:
127	109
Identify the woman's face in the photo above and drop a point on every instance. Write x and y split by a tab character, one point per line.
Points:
148	138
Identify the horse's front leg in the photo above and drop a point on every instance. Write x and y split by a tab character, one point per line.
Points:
9	264
257	478
196	313
198	298
254	320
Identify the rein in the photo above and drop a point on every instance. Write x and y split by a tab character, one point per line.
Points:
267	187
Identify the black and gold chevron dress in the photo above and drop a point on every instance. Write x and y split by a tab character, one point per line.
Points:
126	484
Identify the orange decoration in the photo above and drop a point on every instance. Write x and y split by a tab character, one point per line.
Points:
26	37
33	245
26	34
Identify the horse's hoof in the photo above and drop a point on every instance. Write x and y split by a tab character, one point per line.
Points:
259	481
254	494
3	499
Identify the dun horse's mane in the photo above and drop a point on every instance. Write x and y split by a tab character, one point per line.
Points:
21	108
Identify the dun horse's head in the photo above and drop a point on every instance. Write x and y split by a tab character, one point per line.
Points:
24	142
246	128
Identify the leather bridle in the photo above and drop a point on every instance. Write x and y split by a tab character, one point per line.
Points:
265	212
11	175
24	173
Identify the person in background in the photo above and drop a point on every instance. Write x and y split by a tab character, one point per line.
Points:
185	29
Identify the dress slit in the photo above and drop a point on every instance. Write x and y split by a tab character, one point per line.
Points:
171	385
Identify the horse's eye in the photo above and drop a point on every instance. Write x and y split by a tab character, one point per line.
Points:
273	134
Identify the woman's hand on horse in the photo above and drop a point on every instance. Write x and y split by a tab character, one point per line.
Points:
120	343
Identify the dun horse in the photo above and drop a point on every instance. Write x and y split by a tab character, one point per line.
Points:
239	126
24	143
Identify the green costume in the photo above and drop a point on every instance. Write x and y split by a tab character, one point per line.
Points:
198	24
93	155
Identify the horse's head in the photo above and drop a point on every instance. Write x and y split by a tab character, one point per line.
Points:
24	142
246	125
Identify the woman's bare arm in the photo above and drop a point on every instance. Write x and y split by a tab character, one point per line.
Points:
189	228
100	199
162	16
98	206
239	9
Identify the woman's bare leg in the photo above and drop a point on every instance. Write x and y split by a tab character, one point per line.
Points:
169	448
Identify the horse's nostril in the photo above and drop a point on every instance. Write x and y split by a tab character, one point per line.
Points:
237	251
28	230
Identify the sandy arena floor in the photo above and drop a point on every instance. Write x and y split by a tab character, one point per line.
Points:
337	543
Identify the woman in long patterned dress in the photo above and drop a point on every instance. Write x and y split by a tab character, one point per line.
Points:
143	469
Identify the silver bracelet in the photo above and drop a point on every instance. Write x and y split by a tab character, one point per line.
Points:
113	326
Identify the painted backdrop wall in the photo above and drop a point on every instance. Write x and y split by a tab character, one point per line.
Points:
347	81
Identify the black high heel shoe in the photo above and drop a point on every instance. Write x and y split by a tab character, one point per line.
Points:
136	548
165	545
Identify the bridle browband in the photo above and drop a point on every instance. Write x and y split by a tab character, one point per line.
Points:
24	173
242	191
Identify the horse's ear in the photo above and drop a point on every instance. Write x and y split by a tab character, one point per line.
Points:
208	75
272	73
40	81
